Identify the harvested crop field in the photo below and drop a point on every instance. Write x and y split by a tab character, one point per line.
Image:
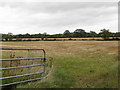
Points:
76	64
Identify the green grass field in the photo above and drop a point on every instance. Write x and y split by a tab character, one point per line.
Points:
76	64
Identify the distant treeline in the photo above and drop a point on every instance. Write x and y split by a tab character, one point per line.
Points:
78	33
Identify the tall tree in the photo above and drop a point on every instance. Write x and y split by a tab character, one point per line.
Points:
93	34
66	33
79	33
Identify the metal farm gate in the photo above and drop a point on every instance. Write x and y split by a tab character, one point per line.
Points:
27	59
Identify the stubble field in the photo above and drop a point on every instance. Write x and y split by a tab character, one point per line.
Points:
76	64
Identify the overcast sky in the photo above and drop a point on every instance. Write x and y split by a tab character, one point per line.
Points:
56	17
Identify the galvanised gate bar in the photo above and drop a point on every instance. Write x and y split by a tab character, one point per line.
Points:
28	66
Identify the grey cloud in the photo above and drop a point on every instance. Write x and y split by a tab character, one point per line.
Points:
62	14
56	7
86	16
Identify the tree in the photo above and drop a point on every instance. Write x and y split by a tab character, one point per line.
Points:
105	34
66	33
44	36
117	34
93	34
79	33
27	35
7	37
